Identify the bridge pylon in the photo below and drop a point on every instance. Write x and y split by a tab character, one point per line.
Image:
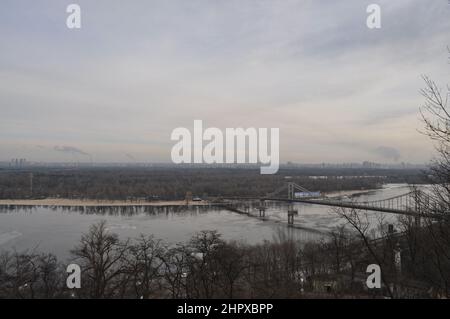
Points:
291	213
291	190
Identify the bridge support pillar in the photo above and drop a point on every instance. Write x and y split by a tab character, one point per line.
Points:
262	212
262	208
291	214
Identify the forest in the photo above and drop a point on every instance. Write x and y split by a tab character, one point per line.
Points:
168	183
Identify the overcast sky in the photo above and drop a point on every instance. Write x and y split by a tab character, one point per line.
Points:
115	89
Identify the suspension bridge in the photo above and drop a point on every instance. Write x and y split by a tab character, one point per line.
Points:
415	203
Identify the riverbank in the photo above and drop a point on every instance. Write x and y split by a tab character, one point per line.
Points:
107	203
93	203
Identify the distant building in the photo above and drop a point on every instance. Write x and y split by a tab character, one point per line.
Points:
18	163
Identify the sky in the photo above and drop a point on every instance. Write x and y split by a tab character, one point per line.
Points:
114	90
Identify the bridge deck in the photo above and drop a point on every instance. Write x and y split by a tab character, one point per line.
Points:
352	205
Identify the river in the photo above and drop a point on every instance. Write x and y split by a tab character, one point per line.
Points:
57	230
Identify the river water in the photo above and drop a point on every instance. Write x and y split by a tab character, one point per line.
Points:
57	230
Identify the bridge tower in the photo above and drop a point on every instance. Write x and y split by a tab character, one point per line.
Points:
291	190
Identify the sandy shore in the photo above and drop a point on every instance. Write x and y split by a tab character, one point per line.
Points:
89	202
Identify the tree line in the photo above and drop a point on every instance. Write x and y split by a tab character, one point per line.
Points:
174	183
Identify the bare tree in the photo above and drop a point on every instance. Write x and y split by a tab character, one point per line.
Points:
202	276
338	243
230	264
175	269
30	275
361	222
144	265
102	259
435	114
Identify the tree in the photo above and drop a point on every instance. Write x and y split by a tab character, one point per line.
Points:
361	222
102	259
201	274
436	117
230	263
144	265
30	275
175	269
435	114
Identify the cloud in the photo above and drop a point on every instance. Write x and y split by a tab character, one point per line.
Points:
70	149
310	68
387	152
